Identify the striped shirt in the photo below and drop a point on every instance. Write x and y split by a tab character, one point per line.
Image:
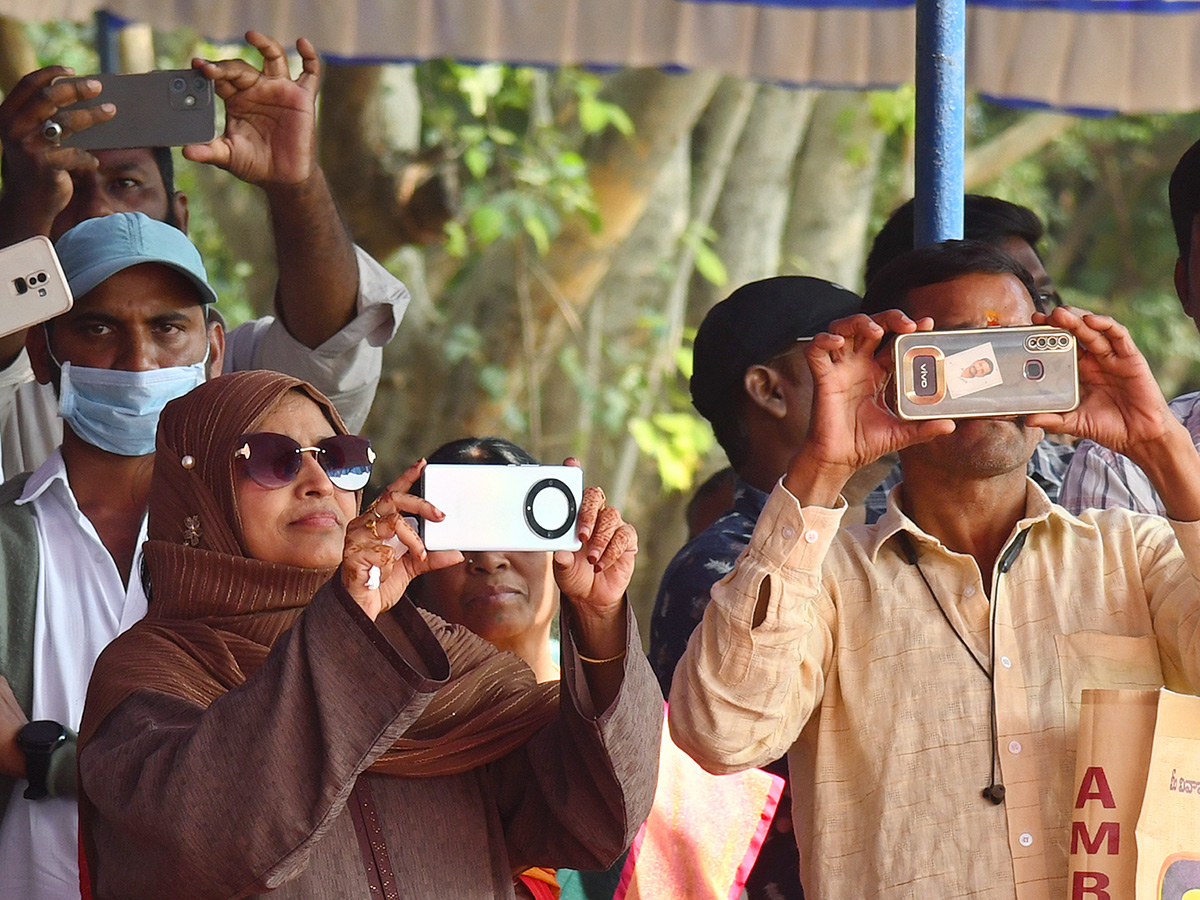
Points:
1099	478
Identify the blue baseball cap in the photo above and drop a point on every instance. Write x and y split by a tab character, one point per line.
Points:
97	249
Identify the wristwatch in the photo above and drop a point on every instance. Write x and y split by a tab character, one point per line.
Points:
37	741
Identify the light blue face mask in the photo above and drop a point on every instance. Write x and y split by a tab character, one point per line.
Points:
117	410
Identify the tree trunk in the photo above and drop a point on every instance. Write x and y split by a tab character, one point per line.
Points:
831	200
369	127
750	215
17	58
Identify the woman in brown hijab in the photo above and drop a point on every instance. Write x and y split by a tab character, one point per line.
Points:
285	720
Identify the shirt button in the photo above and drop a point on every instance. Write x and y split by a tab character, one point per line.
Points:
1026	839
1006	662
811	536
1014	747
969	590
788	532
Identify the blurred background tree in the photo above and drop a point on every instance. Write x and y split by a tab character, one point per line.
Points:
563	233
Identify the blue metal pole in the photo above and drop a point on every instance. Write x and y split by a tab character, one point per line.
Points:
941	106
108	31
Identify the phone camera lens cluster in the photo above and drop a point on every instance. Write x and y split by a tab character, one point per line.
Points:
189	91
1048	342
25	284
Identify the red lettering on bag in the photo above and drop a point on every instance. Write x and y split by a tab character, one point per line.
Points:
1079	834
1096	889
1101	791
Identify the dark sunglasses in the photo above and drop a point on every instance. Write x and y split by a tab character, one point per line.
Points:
274	460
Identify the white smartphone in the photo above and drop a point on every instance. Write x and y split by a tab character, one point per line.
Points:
32	283
502	507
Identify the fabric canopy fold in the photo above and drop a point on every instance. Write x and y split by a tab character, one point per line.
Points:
1091	55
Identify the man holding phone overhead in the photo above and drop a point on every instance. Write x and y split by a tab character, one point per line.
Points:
336	307
923	674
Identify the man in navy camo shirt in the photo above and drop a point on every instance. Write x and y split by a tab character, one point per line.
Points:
751	381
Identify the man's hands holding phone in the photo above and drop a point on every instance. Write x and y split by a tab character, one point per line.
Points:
851	424
37	171
269	139
270	120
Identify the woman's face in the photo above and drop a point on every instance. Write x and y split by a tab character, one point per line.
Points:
500	596
303	523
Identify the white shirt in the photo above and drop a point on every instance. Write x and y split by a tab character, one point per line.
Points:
82	605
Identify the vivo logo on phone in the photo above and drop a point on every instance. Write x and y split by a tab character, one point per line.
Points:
924	376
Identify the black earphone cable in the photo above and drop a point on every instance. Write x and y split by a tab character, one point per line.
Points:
994	792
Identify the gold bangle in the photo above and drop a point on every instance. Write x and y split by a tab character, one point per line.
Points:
600	662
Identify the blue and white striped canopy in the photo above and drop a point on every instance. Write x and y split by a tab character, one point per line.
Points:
1127	55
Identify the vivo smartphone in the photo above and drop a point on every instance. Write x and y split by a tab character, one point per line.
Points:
32	285
502	507
1007	371
166	108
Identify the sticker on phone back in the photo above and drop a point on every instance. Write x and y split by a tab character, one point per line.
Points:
972	370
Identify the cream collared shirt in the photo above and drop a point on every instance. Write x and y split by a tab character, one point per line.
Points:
870	688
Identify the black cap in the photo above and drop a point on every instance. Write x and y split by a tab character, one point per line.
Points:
756	322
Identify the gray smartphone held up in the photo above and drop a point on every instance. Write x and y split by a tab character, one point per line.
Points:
32	285
978	372
502	507
168	108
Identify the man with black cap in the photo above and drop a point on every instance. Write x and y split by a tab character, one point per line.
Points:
1099	478
750	379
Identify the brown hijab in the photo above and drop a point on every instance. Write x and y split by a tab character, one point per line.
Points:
215	612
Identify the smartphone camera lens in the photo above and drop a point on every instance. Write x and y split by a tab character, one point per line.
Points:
199	83
1034	370
178	85
41	278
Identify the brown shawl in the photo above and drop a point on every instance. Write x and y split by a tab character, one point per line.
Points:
214	612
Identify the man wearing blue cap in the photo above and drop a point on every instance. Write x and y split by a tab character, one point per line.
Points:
335	306
70	534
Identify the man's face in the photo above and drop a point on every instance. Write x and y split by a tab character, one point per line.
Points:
980	447
1020	250
145	317
796	387
125	181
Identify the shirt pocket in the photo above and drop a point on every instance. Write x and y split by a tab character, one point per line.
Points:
1089	659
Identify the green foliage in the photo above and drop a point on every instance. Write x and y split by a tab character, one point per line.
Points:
64	44
705	258
895	112
1101	188
677	441
512	128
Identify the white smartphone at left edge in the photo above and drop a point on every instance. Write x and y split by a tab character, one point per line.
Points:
32	285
